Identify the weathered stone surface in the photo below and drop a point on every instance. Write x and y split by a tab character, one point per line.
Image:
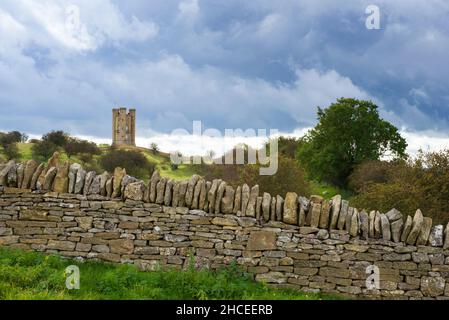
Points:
343	214
36	175
364	225
316	199
5	172
53	161
279	207
227	202
61	245
84	223
160	191
135	191
49	178
251	208
169	192
348	221
122	246
354	230
61	183
109	187
424	232
182	193
335	211
90	176
191	189
104	177
446	237
238	201
315	214
245	198
272	209
152	186
372	216
229	222
322	234
127	179
377	226
12	176
304	207
259	213
406	229
386	231
20	174
271	277
261	240
220	192
212	194
393	215
80	181
206	200
396	229
432	286
291	208
266	206
175	194
197	192
325	214
416	227
73	171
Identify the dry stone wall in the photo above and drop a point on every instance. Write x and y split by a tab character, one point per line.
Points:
292	241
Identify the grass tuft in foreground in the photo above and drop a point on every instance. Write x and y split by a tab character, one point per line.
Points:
36	276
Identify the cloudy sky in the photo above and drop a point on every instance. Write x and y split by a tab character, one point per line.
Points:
230	64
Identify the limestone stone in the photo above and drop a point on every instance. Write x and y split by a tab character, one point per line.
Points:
393	215
291	208
432	286
152	186
416	227
316	199
135	191
191	190
36	175
261	240
343	214
84	222
354	230
104	177
251	208
122	246
304	206
229	222
127	179
80	181
245	198
279	207
238	201
109	187
266	206
196	193
259	213
323	234
227	202
30	169
73	171
12	176
175	195
396	229
212	194
446	237
273	209
424	232
372	216
168	193
335	211
349	218
325	214
182	193
61	183
386	231
406	229
90	176
220	192
271	277
315	214
53	161
206	200
20	174
377	226
49	178
160	191
364	225
5	172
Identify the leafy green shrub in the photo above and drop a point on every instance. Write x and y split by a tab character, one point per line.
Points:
135	163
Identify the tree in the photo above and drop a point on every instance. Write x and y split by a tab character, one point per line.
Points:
58	138
135	163
43	150
8	142
349	132
75	146
154	148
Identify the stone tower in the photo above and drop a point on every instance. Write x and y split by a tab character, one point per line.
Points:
123	127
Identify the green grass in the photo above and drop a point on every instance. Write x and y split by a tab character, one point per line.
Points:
327	191
25	151
36	276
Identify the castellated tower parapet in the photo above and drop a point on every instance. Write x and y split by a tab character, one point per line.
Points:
123	127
